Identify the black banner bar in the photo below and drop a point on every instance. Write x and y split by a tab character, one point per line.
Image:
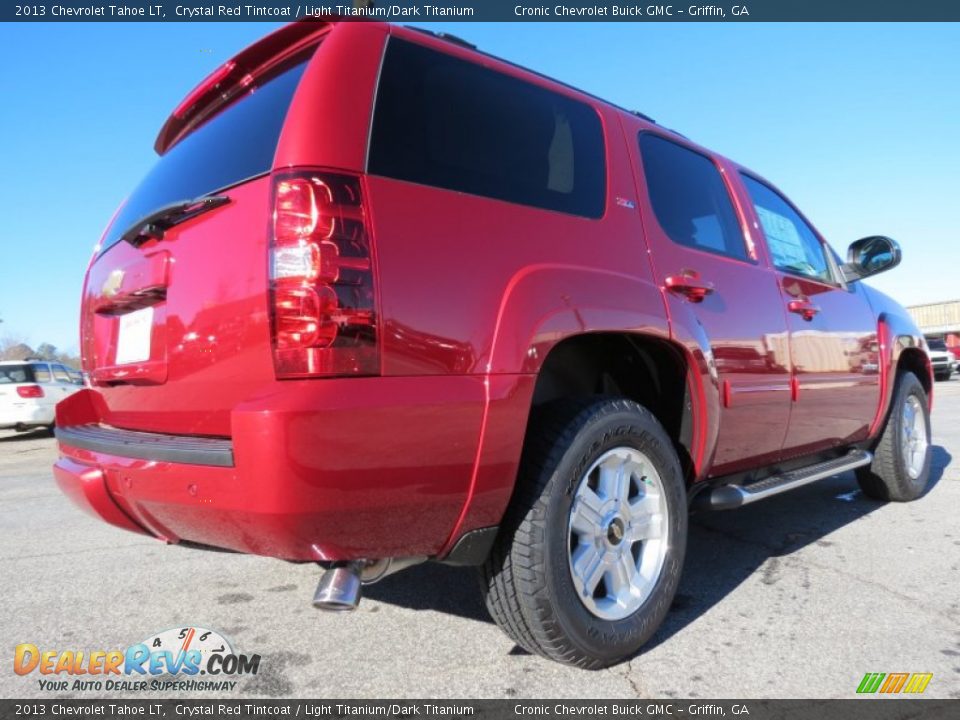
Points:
405	11
629	709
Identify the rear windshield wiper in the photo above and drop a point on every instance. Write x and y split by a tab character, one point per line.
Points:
152	226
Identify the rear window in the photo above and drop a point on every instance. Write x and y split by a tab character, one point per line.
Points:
236	145
448	123
10	374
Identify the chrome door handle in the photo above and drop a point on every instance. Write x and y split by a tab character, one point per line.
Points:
803	308
690	286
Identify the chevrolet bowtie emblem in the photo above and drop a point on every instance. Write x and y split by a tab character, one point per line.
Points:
112	284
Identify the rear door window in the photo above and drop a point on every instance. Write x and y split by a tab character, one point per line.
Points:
236	145
449	123
689	198
60	374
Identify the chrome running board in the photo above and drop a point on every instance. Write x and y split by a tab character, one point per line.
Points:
728	497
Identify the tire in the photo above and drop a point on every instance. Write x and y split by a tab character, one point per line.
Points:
529	578
942	376
897	473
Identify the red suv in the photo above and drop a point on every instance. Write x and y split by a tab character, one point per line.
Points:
385	298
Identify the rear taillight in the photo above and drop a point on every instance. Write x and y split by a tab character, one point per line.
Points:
30	391
321	277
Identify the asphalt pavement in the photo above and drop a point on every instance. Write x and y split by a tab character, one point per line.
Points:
797	596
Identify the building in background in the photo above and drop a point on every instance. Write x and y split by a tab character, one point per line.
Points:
939	320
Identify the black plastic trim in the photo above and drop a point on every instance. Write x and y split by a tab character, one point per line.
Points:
473	547
217	452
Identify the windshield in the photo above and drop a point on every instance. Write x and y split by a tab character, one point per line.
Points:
236	145
936	344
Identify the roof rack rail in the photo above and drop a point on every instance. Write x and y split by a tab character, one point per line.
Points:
643	116
444	36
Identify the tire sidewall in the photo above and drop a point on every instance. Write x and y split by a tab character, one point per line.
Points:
909	386
599	637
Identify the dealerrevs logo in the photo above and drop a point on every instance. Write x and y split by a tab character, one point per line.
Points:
169	660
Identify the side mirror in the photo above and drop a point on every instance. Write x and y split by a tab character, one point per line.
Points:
869	256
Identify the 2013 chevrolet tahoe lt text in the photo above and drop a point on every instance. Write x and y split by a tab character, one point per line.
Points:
384	298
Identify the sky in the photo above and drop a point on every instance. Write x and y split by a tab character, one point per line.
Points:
858	124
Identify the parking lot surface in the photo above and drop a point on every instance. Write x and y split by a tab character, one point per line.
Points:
796	596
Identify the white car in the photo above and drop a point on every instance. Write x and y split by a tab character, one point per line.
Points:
31	389
940	358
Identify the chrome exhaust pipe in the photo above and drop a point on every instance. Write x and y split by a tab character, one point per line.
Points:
339	587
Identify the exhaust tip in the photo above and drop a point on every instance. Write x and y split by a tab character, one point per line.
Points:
339	588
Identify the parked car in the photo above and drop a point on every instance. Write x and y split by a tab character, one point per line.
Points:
941	359
30	390
385	298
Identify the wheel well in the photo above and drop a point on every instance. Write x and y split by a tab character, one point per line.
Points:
648	370
915	361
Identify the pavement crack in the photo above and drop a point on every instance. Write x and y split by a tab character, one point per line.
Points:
634	682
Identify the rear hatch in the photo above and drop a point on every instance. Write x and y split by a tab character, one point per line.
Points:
175	328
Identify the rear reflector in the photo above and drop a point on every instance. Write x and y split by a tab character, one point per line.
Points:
321	277
30	391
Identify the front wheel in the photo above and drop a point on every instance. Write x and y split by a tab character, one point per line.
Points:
901	461
590	552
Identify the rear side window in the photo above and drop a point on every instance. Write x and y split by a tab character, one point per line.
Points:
448	123
689	198
10	374
236	145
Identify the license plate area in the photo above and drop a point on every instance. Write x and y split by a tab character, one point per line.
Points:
137	353
134	335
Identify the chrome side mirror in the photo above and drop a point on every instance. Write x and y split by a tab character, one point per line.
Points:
869	256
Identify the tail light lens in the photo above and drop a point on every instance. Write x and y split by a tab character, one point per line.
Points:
30	391
322	277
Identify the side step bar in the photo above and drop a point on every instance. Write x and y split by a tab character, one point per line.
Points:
728	497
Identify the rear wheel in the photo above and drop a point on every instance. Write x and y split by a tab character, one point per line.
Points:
590	552
901	462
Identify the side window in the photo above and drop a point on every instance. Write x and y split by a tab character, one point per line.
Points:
60	374
794	247
689	198
41	373
448	123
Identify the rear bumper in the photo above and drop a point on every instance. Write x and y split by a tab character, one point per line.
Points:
331	470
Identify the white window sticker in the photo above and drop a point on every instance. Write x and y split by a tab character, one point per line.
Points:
784	241
133	336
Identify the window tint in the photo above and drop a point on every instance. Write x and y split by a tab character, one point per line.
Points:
60	374
10	374
793	245
236	145
448	123
689	198
41	373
